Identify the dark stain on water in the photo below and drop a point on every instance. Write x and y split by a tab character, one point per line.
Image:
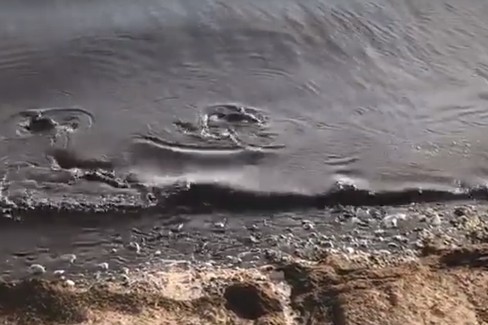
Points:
110	107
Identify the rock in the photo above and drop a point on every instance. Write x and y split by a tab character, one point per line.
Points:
307	225
327	244
355	220
124	270
379	232
436	220
400	238
460	211
349	250
253	239
393	245
362	242
69	283
422	218
391	221
219	226
157	253
253	227
103	266
71	258
125	278
135	247
58	273
363	214
178	228
37	269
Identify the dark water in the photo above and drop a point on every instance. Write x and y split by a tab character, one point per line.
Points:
108	105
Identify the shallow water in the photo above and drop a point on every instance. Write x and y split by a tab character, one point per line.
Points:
257	98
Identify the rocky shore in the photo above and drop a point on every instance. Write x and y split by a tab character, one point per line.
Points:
418	264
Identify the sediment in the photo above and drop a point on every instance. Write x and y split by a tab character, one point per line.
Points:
439	286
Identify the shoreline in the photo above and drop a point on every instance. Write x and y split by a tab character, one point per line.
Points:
442	286
421	255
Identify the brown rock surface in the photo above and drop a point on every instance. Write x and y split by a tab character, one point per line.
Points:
445	286
448	288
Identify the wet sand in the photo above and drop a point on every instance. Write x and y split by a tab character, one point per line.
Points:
441	279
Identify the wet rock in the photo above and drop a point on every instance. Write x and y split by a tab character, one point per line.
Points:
362	214
460	211
253	239
435	220
219	226
125	278
70	258
103	266
400	238
393	245
391	221
178	228
69	283
327	244
307	225
37	269
59	273
135	247
253	227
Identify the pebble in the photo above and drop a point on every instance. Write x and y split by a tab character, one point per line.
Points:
393	245
37	269
400	238
103	266
69	283
71	258
379	232
422	218
355	220
253	239
253	227
220	225
460	211
327	244
124	278
419	244
133	246
178	228
349	250
125	270
58	272
307	225
436	220
363	243
157	253
391	221
363	214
